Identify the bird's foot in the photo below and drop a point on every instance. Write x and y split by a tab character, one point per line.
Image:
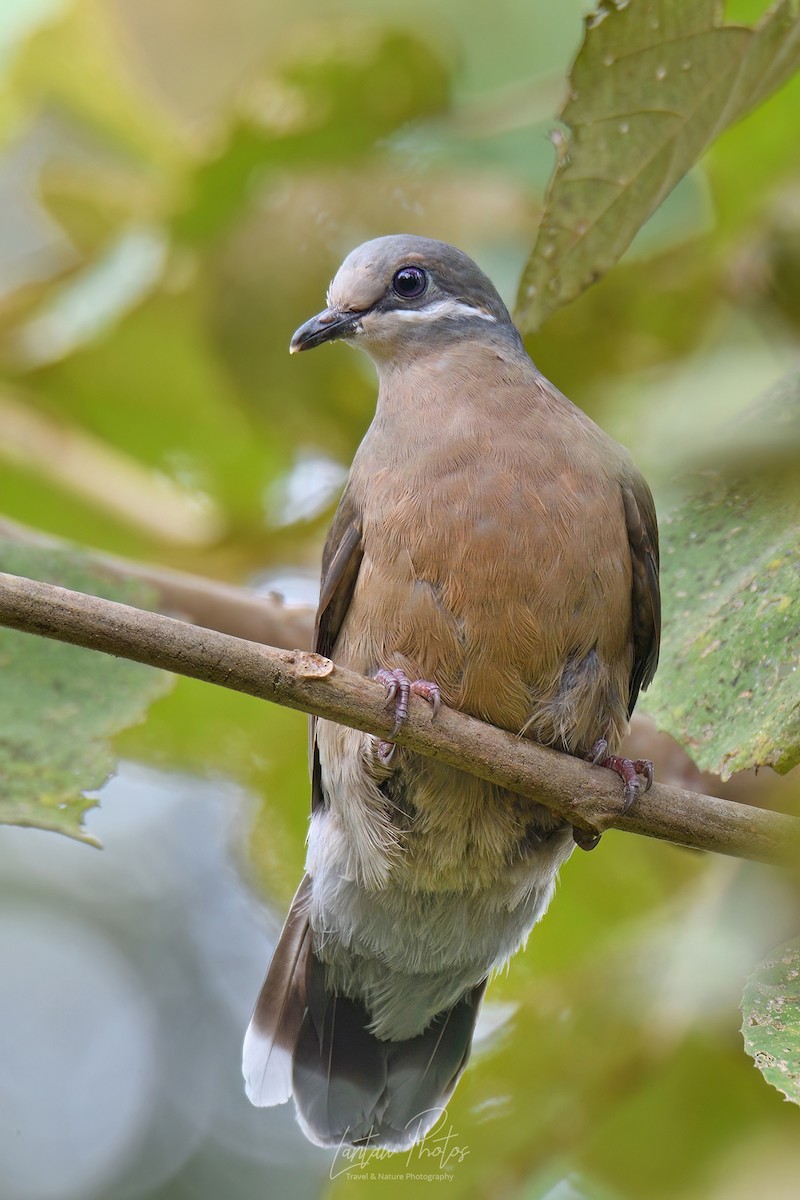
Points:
628	769
398	690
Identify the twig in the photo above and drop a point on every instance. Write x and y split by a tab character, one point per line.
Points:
587	796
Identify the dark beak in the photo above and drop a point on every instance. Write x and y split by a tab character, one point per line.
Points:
327	326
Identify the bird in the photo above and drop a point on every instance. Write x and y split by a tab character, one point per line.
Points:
495	551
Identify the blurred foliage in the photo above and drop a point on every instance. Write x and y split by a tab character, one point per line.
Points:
178	184
771	1028
653	85
339	92
727	685
59	707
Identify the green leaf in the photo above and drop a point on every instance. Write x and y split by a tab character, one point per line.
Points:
727	684
60	705
771	1026
652	87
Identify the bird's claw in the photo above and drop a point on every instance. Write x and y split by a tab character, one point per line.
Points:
628	769
398	689
585	839
384	751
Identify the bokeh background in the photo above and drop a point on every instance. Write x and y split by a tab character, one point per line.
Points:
178	183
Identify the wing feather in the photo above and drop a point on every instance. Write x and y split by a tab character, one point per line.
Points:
341	562
642	526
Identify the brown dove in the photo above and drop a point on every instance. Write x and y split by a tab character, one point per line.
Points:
496	551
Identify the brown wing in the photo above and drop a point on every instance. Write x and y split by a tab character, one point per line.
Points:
341	561
640	518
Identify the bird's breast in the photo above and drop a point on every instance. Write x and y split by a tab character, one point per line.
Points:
487	571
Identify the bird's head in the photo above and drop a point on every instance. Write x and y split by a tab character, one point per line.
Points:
398	296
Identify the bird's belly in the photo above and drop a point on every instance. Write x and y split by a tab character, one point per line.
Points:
407	953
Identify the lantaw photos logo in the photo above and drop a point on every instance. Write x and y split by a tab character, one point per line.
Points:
429	1161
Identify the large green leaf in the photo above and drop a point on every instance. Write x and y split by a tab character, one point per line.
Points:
771	1026
652	87
727	685
60	705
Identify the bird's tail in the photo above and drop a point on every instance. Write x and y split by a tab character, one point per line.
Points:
350	1087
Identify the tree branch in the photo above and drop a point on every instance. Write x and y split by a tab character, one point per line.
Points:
589	797
268	618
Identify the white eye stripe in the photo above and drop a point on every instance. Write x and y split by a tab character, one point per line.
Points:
442	308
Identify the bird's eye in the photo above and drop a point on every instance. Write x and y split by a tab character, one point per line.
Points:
409	282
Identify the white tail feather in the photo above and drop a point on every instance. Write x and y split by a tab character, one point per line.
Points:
271	1034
